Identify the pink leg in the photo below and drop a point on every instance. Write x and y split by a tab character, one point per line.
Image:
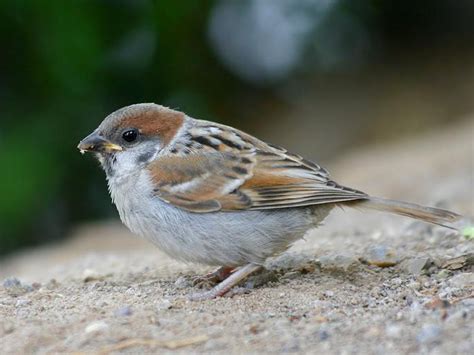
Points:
227	284
213	277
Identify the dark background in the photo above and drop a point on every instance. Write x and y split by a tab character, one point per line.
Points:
319	77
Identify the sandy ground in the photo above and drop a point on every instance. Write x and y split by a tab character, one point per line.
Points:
104	291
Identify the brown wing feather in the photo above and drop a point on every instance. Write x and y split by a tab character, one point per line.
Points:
285	180
202	182
220	168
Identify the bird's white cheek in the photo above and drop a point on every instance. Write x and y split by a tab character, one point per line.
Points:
125	163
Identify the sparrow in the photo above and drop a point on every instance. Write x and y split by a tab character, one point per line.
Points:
208	193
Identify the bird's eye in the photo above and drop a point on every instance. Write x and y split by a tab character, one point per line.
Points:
130	135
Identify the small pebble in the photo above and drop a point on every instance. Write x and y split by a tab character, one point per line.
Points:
415	285
91	275
373	331
123	311
329	293
261	279
323	335
339	262
416	265
8	328
22	302
291	347
182	282
52	284
96	327
11	282
15	287
381	256
429	334
164	304
396	281
442	275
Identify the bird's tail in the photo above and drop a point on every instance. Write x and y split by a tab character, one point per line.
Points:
437	216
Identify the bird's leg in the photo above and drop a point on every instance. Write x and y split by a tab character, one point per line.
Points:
213	277
223	287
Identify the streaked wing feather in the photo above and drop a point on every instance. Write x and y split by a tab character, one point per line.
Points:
291	196
202	182
218	168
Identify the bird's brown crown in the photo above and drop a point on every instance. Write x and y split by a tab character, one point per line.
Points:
150	119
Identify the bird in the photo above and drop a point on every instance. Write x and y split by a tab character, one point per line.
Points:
207	193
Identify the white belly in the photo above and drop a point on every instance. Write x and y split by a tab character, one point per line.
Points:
217	238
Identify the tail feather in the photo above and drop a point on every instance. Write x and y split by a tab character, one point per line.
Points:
428	214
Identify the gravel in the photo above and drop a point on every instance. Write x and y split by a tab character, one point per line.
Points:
382	256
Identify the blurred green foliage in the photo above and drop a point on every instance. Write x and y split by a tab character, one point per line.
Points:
65	65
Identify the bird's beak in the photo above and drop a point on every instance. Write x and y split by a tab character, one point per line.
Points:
94	142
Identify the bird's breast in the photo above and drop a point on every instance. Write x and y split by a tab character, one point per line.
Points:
217	238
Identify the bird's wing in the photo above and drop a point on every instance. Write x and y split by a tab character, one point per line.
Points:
202	182
217	168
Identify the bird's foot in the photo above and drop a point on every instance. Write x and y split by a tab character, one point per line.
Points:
233	279
211	279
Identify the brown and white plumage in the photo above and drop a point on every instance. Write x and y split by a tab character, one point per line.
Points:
213	167
210	193
217	168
